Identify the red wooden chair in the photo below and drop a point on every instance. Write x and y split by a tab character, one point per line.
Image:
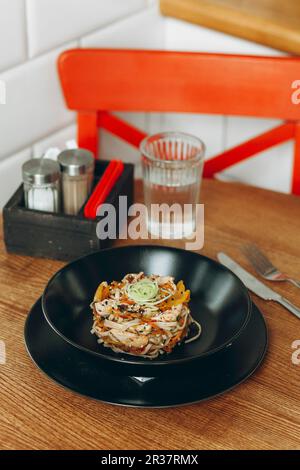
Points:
98	81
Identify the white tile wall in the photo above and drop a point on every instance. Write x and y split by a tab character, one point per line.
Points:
113	147
207	127
271	169
34	103
58	139
143	30
11	174
127	34
34	117
13	41
34	32
54	22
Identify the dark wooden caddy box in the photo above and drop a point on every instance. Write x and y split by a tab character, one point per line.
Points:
59	236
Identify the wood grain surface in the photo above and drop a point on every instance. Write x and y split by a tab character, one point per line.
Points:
262	413
273	23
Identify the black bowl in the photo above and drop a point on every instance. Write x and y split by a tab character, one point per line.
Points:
219	300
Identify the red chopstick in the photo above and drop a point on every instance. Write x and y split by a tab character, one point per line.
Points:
100	185
103	188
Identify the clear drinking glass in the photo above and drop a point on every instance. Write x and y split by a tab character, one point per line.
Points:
172	165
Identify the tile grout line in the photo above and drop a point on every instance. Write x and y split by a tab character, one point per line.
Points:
115	22
26	30
88	33
224	132
31	144
76	40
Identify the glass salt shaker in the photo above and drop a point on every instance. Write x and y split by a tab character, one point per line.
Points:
77	166
41	178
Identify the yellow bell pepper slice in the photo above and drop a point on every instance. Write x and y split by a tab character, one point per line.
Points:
102	292
181	296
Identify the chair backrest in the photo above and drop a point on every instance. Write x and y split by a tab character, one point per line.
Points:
97	81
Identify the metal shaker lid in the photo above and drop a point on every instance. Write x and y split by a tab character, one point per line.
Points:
76	162
40	171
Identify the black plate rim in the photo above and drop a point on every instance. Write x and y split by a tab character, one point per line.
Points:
130	359
188	403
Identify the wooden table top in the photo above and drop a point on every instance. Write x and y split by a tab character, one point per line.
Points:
273	23
262	413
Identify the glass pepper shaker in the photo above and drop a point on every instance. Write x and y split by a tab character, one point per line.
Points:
77	167
41	178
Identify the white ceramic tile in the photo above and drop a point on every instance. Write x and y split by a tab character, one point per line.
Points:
12	33
239	129
143	30
184	36
209	128
271	169
2	92
34	104
113	147
154	122
53	22
58	139
11	174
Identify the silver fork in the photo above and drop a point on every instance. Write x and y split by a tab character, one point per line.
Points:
264	267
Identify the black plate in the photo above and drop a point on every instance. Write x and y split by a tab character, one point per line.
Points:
219	300
89	375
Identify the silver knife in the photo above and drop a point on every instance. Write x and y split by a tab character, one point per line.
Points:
256	286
